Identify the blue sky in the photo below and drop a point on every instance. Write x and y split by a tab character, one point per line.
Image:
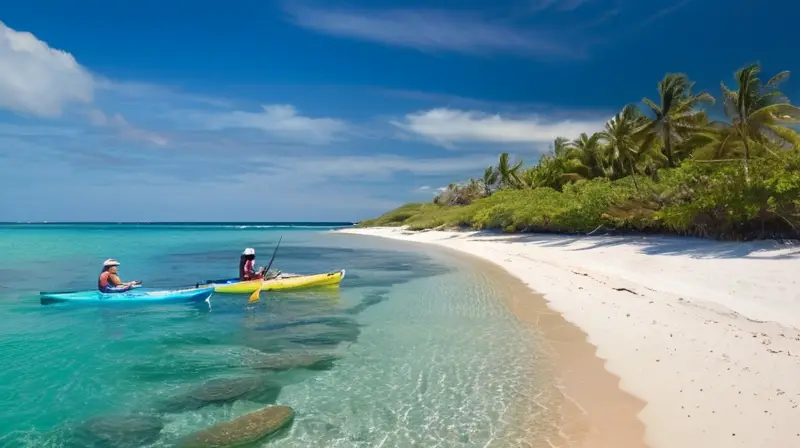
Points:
312	110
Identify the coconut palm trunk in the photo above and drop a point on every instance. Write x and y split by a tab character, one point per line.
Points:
668	148
746	160
633	176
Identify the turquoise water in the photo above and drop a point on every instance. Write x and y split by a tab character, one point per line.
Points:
415	348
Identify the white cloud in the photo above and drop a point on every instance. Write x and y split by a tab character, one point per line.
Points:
447	126
430	30
378	167
39	80
278	120
117	121
428	190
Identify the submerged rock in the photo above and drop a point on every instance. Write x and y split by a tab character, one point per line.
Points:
223	391
330	332
172	367
293	324
123	431
202	360
244	430
369	300
301	360
297	336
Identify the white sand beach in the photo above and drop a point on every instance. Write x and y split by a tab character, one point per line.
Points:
706	333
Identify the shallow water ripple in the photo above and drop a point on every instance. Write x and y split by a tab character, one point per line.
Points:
414	349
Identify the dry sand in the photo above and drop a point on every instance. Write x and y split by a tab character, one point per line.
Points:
705	333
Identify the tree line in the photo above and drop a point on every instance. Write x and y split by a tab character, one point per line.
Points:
676	127
669	168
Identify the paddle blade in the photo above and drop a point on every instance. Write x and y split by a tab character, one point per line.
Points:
255	296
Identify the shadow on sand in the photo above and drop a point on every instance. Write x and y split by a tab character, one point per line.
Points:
655	245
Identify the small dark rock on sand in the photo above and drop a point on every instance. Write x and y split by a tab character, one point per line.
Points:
242	431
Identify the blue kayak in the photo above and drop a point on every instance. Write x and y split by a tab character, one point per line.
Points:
138	295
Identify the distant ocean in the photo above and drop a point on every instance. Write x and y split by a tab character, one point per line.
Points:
415	348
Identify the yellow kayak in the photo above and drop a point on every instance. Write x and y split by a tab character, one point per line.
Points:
281	283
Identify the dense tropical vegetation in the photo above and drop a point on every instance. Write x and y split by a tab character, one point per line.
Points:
669	169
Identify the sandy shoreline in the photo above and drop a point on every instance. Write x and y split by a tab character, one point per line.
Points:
590	410
705	333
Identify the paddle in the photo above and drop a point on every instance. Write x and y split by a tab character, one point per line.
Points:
256	295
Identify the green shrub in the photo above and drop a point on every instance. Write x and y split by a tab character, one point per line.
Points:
702	199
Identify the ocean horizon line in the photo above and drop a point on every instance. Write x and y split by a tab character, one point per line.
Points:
194	223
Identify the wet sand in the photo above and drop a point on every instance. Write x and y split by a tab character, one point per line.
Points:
592	410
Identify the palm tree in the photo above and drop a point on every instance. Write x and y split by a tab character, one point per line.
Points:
719	141
558	168
509	174
567	169
561	146
490	177
624	147
591	153
677	115
758	113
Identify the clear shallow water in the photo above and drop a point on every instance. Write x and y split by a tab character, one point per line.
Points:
424	351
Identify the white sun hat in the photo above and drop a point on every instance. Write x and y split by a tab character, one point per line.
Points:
110	262
249	251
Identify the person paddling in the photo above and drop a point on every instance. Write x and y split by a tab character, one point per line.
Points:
109	280
247	267
247	263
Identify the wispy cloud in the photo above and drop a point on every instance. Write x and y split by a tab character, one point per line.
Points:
661	13
39	80
149	91
561	5
278	120
37	131
374	167
432	30
449	100
99	118
647	18
447	126
601	19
